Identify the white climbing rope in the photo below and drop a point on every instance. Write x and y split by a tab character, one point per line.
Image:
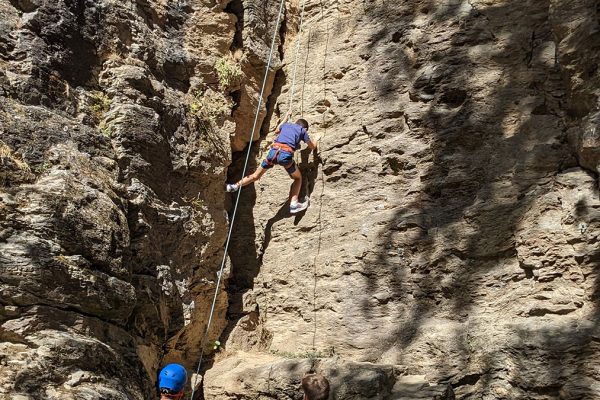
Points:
300	30
237	200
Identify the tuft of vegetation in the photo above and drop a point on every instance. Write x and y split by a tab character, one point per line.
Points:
229	73
99	104
6	153
105	129
212	346
46	165
209	106
197	205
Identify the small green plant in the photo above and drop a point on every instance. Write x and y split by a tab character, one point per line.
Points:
197	205
45	166
229	72
212	346
99	104
195	107
105	129
209	106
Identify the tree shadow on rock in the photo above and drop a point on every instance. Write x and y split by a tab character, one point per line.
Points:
494	148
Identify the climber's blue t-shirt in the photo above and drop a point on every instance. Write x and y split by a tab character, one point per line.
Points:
292	134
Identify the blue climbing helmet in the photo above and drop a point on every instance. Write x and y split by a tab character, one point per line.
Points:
172	377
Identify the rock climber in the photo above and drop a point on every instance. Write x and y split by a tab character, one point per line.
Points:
316	387
171	382
281	153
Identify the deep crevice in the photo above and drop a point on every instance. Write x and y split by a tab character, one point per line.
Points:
282	32
278	83
236	7
471	380
236	97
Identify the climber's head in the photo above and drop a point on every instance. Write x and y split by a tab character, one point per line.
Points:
171	381
316	387
303	123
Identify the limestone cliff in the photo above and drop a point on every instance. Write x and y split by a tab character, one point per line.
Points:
451	246
454	220
115	125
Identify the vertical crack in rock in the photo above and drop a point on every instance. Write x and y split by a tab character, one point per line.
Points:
259	21
236	7
272	101
283	29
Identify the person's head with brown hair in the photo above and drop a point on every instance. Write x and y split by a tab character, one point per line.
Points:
303	123
316	387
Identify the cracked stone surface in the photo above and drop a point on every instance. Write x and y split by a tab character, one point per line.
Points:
451	246
453	227
115	141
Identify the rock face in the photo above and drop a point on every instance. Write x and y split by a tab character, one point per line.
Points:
253	376
451	246
114	129
453	228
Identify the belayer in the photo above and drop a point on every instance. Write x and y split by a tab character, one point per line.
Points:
171	382
315	387
289	136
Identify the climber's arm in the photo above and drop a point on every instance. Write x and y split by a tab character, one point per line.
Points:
285	119
312	143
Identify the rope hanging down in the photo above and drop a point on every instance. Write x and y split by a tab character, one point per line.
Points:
319	218
300	31
237	200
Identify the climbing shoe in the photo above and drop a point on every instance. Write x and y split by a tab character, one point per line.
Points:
298	207
232	187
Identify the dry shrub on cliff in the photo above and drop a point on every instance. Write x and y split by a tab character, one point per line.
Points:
105	129
7	155
229	73
99	105
13	169
209	106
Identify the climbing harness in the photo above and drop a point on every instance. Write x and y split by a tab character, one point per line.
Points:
278	148
283	147
237	200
